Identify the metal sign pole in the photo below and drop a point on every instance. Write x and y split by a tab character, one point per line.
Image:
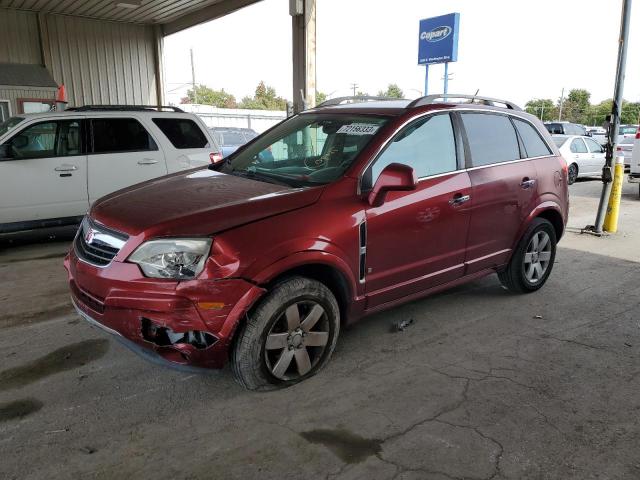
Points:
426	80
446	79
615	119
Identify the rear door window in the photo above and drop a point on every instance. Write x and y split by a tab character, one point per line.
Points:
534	145
492	138
183	133
115	135
594	147
578	146
428	146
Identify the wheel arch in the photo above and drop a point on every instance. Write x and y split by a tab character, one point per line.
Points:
332	271
555	218
321	266
548	210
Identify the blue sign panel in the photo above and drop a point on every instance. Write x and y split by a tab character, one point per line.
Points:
438	41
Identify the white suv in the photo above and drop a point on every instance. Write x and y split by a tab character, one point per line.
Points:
634	175
54	165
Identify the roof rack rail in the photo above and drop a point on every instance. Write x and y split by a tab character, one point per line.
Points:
431	99
353	99
125	108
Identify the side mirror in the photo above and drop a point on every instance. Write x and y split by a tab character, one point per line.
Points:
394	177
5	152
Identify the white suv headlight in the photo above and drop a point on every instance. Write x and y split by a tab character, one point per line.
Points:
175	258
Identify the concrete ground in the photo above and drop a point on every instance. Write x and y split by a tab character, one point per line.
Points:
483	385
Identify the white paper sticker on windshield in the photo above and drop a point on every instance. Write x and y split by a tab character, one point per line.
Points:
359	129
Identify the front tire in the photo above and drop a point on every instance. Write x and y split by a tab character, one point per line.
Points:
572	174
288	337
532	261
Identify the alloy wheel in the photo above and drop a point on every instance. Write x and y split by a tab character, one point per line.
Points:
573	173
297	340
537	257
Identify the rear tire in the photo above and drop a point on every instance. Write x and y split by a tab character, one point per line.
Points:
532	261
288	337
572	174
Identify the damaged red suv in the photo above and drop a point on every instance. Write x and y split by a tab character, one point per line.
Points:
341	211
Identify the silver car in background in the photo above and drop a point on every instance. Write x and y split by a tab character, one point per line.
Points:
585	157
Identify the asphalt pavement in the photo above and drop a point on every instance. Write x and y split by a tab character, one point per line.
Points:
484	384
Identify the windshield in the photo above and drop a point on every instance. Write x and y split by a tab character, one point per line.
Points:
559	141
305	150
627	130
9	124
233	138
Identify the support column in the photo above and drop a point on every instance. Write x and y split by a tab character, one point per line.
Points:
158	57
303	26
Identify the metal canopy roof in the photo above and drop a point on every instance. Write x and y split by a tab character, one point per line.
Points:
173	15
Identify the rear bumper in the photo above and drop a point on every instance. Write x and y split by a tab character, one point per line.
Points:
118	299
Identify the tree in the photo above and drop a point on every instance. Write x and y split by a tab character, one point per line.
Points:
265	98
576	107
204	95
543	108
393	91
320	97
630	113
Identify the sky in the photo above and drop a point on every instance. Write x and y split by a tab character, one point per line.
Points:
516	50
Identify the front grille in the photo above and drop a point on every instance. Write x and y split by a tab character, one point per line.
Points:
90	301
96	244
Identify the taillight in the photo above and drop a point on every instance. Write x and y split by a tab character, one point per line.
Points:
638	135
215	158
565	167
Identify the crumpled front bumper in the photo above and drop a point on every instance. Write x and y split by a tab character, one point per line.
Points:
118	298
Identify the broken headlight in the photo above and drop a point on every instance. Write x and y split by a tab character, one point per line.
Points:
177	258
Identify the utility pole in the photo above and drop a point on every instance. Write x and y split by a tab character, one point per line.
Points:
193	77
614	121
354	86
561	102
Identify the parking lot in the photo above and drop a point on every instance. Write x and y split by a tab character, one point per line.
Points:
484	384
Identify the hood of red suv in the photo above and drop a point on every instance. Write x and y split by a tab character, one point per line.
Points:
200	202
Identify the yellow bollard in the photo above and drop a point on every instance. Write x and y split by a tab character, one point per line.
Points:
613	209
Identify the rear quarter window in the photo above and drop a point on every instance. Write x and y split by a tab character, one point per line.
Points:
492	138
534	145
183	133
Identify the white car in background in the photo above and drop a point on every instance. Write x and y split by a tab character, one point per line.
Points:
54	165
634	175
625	146
585	157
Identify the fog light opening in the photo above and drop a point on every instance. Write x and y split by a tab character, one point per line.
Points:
165	337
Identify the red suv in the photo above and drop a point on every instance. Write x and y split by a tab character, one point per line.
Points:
336	213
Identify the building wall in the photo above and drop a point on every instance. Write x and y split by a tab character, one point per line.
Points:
12	94
19	39
98	62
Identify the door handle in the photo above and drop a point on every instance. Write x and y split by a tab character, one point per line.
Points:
459	199
147	161
66	168
527	182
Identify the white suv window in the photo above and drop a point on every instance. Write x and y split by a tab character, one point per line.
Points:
47	139
183	133
114	135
